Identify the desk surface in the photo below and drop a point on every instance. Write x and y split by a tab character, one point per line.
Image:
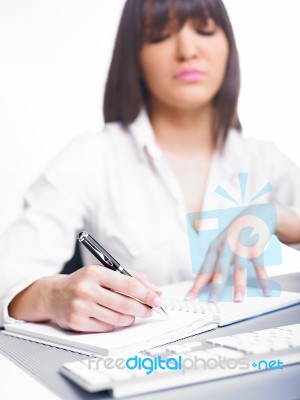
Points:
276	385
15	383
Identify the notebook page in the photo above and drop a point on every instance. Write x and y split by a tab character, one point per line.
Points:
227	312
231	312
145	333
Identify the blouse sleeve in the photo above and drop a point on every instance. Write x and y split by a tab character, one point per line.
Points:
42	239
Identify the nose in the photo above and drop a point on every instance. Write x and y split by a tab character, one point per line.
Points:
186	45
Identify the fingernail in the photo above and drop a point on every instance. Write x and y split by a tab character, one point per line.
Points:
190	295
157	302
238	296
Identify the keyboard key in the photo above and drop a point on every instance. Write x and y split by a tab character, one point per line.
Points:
265	332
227	341
279	346
292	328
243	336
177	348
254	349
197	354
226	353
155	352
193	345
295	342
282	334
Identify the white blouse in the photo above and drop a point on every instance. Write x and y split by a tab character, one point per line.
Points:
117	186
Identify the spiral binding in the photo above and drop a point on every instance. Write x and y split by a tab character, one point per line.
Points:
195	306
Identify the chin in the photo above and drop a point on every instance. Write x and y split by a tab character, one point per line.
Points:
191	104
191	100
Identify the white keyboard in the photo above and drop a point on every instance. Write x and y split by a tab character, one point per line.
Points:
195	362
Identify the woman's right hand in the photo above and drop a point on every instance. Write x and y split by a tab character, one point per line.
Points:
95	299
90	300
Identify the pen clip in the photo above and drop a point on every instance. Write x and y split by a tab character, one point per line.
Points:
87	241
105	259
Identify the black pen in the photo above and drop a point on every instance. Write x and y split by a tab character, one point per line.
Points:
108	261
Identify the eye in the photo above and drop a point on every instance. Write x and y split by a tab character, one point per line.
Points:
163	33
205	33
159	38
206	28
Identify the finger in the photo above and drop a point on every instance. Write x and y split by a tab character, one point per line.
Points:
128	285
90	325
239	282
205	274
210	261
215	287
200	282
263	278
143	278
151	286
109	316
94	325
220	276
122	304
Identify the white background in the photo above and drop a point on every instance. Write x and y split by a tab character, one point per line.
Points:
54	57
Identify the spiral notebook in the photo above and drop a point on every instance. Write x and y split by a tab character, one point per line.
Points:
186	318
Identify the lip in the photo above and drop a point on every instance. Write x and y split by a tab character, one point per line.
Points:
190	75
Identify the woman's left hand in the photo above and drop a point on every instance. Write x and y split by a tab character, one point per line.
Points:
237	246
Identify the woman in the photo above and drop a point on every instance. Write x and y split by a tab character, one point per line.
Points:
171	136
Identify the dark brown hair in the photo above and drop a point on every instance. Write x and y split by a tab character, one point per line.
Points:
125	92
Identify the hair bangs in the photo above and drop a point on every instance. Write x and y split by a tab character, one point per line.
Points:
158	13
